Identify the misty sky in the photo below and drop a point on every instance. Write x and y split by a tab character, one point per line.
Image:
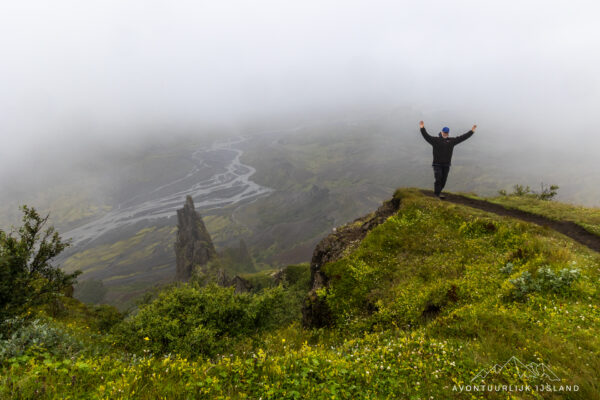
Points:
98	70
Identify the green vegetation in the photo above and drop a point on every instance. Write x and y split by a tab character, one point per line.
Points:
27	277
147	255
193	321
357	158
237	259
586	217
547	192
427	300
545	280
91	291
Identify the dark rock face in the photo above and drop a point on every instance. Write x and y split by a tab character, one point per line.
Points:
241	285
315	312
221	277
193	246
278	276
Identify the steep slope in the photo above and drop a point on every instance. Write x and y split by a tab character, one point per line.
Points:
315	312
421	299
497	286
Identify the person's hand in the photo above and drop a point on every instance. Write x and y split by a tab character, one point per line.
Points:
474	127
421	124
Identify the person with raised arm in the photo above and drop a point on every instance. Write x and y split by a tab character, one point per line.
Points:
443	145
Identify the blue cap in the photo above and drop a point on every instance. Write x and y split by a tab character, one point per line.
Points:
446	129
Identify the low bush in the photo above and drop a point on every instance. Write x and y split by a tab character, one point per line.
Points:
547	192
194	320
545	280
38	336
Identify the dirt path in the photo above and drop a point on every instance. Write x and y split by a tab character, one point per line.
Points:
567	228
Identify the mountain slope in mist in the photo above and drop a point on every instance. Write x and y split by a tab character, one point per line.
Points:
437	299
320	174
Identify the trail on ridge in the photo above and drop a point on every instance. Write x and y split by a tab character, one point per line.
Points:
567	228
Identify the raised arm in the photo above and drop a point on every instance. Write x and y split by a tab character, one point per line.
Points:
425	134
465	136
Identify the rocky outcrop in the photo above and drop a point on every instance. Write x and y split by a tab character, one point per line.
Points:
278	276
315	312
240	284
193	247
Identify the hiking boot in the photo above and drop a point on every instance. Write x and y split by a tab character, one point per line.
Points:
441	196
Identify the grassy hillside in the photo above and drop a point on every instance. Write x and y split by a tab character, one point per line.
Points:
434	296
496	287
325	173
587	217
129	267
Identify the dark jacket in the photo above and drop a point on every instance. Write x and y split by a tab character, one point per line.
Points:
442	148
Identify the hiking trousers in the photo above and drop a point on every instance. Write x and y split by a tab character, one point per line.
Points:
441	175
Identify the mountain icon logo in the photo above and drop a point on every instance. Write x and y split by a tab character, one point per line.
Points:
531	370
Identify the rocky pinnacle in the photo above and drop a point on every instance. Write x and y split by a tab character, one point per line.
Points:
193	247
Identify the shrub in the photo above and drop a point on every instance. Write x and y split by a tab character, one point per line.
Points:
38	335
552	282
105	317
507	269
298	275
520	190
27	277
544	281
90	291
194	320
547	192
